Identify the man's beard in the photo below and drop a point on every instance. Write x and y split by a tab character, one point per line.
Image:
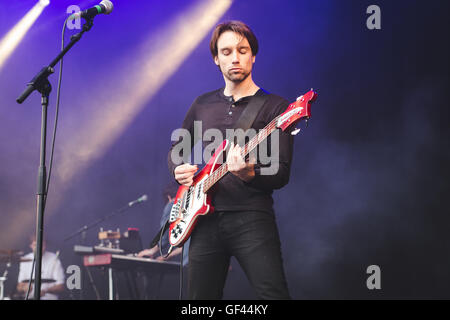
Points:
236	77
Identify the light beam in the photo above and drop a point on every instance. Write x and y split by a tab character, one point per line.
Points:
131	89
12	39
153	67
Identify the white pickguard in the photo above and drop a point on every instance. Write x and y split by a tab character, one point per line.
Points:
186	208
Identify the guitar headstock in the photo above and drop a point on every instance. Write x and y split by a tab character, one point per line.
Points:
298	110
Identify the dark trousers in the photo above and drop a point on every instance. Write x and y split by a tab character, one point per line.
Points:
250	236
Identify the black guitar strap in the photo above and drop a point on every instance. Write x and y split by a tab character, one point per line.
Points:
159	234
249	114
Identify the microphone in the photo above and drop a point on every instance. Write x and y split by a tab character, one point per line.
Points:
105	7
141	199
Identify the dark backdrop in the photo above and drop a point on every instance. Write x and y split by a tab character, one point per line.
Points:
370	177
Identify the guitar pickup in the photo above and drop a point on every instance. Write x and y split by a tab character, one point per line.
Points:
200	187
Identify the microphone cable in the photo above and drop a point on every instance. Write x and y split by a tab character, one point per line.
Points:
55	126
180	295
181	273
31	277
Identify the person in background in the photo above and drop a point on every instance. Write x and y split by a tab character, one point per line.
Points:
169	194
52	273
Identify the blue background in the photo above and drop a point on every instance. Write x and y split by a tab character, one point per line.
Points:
370	176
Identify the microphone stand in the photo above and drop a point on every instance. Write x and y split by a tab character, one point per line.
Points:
41	84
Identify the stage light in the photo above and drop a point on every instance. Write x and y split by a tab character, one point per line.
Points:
114	110
12	39
44	2
158	59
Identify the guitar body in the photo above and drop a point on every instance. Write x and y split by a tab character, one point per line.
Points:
191	202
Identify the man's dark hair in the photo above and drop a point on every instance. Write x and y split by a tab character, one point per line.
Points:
237	27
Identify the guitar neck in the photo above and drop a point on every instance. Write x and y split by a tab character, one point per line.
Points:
252	144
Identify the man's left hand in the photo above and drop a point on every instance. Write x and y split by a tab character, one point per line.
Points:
237	165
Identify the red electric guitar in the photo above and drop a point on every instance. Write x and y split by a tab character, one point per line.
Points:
194	201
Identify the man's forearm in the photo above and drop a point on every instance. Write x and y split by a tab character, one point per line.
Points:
55	289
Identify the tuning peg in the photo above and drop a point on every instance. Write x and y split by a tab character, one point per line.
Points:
295	131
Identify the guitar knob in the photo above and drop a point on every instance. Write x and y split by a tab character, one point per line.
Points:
295	131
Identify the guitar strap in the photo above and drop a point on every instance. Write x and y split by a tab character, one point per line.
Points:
159	234
244	122
249	114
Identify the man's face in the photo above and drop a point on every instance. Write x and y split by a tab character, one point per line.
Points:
33	246
234	56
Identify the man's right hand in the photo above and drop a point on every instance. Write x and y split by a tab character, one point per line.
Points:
148	252
184	174
22	287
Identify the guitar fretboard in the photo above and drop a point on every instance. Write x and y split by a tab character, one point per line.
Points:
252	144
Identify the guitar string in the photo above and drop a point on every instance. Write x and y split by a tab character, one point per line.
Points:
257	139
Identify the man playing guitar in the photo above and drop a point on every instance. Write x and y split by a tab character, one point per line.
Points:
243	223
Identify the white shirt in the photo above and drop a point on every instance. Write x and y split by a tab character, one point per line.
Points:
51	268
